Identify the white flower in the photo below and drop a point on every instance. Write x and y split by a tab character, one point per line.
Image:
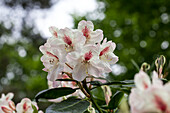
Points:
8	106
147	97
106	55
92	37
52	60
85	63
68	41
6	103
25	106
54	31
7	98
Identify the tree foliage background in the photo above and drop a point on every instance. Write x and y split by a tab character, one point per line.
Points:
140	28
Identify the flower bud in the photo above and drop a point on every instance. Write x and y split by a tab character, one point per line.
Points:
11	105
6	109
145	67
108	93
160	62
91	109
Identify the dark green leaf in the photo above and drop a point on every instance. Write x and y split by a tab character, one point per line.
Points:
123	89
115	100
96	83
69	80
125	82
164	80
71	105
86	111
54	93
35	109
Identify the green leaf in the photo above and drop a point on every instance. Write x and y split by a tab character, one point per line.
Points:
96	77
98	94
35	109
71	105
54	93
115	100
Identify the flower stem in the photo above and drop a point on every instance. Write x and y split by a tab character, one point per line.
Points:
83	90
69	66
95	104
91	97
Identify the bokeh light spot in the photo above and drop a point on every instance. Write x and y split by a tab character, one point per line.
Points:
165	45
143	44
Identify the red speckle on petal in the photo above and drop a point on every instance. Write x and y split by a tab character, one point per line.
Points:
88	55
55	34
50	54
160	104
86	32
25	106
54	31
105	50
7	98
67	40
145	85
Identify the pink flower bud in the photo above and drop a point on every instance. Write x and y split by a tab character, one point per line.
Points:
6	109
108	93
11	105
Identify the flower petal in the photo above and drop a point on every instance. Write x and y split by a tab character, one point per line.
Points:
79	72
93	70
96	36
83	23
54	72
111	58
155	80
142	80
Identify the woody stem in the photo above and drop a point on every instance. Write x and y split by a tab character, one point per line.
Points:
83	90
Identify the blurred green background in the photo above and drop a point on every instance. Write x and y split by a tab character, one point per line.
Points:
140	28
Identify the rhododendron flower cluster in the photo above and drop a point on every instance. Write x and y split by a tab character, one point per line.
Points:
8	106
149	97
77	51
